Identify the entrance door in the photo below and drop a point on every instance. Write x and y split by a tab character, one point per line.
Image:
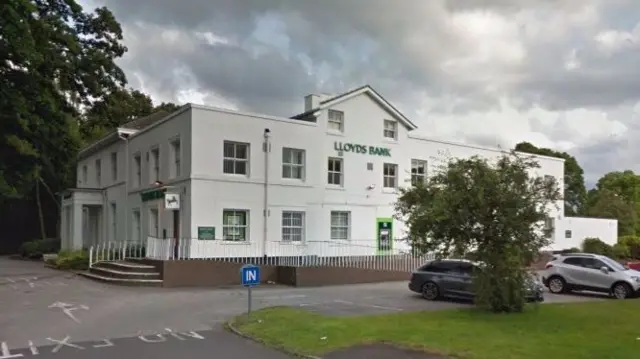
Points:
176	233
384	232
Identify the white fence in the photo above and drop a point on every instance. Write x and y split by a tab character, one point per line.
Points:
352	253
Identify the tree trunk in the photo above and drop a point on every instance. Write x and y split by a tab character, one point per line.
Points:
43	231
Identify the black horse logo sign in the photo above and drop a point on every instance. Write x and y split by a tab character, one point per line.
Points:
171	200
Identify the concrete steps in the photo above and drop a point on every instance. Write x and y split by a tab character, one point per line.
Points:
125	273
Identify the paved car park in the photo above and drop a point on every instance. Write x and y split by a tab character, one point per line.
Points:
43	309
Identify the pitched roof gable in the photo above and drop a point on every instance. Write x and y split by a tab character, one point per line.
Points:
368	90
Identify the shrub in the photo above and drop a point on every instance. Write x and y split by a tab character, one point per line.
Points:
74	260
632	245
596	246
36	248
621	251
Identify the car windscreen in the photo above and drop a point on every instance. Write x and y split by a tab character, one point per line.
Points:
613	264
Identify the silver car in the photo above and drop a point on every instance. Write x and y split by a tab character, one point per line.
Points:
591	272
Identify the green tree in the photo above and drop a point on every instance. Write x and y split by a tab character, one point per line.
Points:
496	211
575	191
605	203
54	59
625	185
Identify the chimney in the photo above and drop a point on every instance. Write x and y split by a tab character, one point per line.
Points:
311	101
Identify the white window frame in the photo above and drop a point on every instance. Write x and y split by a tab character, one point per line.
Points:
114	166
415	167
390	129
332	173
114	221
289	157
295	233
98	165
234	159
85	175
235	227
387	178
137	169
154	222
136	225
176	154
335	227
335	121
154	167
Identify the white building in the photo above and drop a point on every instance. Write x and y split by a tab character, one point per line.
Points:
316	183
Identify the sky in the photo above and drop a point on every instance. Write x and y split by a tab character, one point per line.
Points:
563	74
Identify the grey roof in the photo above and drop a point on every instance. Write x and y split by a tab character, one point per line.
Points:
142	122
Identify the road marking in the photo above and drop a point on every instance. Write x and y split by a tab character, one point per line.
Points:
13	285
68	309
62	343
105	343
366	305
292	296
160	338
5	353
33	348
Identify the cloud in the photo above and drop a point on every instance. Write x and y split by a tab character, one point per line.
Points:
558	73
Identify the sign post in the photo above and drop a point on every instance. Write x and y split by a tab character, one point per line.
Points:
249	277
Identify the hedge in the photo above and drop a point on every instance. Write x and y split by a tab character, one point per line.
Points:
36	248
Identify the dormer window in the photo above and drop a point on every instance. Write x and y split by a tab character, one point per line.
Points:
336	121
390	129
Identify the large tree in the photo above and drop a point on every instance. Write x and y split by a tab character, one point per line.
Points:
605	203
623	186
575	191
55	59
495	210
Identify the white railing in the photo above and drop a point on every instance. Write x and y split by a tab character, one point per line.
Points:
351	253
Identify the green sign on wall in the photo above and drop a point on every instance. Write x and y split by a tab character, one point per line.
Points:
150	195
362	149
206	232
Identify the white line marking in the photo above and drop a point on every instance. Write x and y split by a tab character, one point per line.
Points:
174	334
68	309
367	305
105	343
63	343
160	337
34	350
193	334
4	351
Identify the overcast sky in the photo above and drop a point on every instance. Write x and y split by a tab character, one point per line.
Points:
563	74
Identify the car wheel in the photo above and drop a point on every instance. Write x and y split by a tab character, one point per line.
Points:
621	291
557	285
430	291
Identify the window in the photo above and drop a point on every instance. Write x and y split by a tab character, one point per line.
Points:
155	165
335	171
292	226
390	129
114	222
236	158
567	234
154	223
576	261
234	225
292	163
390	175
336	121
176	154
135	228
449	267
98	172
137	170
418	171
369	166
114	166
340	224
85	175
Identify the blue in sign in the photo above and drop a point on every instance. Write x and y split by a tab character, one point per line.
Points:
250	275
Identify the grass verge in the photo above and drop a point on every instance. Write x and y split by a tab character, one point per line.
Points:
590	330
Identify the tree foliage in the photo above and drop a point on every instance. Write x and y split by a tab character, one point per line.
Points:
575	192
618	186
496	210
605	203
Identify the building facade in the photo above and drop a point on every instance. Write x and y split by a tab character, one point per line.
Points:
320	183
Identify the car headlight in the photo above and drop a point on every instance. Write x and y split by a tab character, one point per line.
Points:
637	279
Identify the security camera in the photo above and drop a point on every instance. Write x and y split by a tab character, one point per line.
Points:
371	186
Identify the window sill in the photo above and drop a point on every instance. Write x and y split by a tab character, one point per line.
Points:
293	243
391	141
234	243
390	190
334	188
335	133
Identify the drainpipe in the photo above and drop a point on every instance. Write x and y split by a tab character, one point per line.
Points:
266	147
125	138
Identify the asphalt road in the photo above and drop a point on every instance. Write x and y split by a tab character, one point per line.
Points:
51	313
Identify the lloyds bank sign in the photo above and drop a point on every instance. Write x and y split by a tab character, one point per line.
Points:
362	149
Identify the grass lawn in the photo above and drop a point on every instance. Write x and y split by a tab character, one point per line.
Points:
595	330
